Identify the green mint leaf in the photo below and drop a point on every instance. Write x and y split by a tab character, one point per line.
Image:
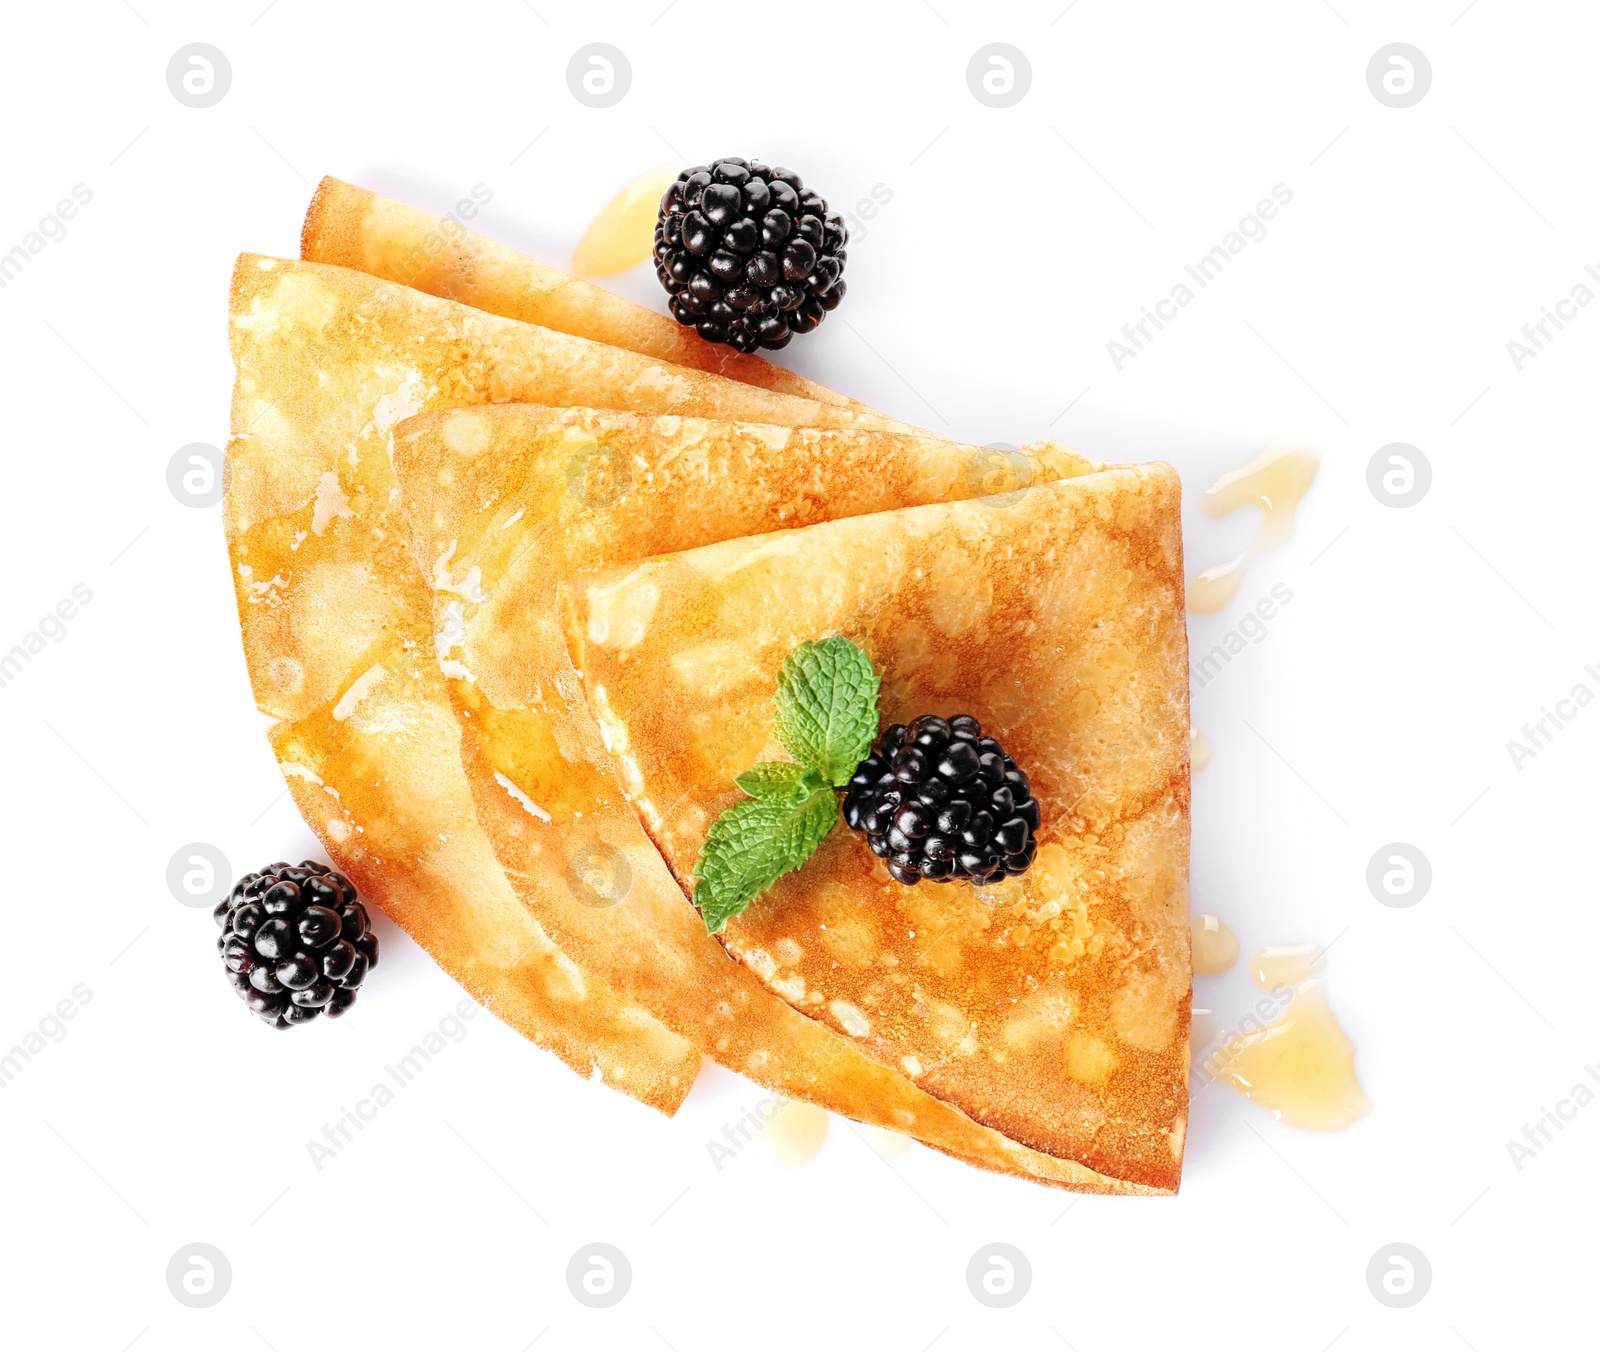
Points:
828	707
780	782
752	845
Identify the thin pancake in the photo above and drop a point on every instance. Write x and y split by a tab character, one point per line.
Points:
1055	1006
416	850
354	228
505	501
336	621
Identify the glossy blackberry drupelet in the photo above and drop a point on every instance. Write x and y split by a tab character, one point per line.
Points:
747	254
941	801
296	942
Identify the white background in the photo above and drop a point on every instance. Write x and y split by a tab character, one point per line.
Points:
1017	243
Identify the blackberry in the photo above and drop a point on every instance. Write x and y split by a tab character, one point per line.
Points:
939	800
748	255
296	942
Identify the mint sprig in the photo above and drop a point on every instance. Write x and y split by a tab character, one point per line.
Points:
828	707
754	844
780	782
827	717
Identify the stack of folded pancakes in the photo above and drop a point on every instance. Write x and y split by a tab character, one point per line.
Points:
517	562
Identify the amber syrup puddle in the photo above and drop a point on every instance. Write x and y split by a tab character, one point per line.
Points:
1285	965
1275	481
1214	946
1301	1068
624	232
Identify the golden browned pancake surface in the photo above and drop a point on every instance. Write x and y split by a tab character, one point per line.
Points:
354	228
1053	1007
505	502
336	619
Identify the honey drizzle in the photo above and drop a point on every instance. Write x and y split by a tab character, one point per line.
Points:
1214	946
1275	481
1300	1068
1285	964
624	232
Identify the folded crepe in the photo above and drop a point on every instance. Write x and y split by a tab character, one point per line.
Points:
354	228
336	622
447	908
504	503
1055	1006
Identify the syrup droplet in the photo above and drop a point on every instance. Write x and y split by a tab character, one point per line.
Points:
1199	751
1214	945
624	231
1275	481
796	1132
1302	1068
1286	965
